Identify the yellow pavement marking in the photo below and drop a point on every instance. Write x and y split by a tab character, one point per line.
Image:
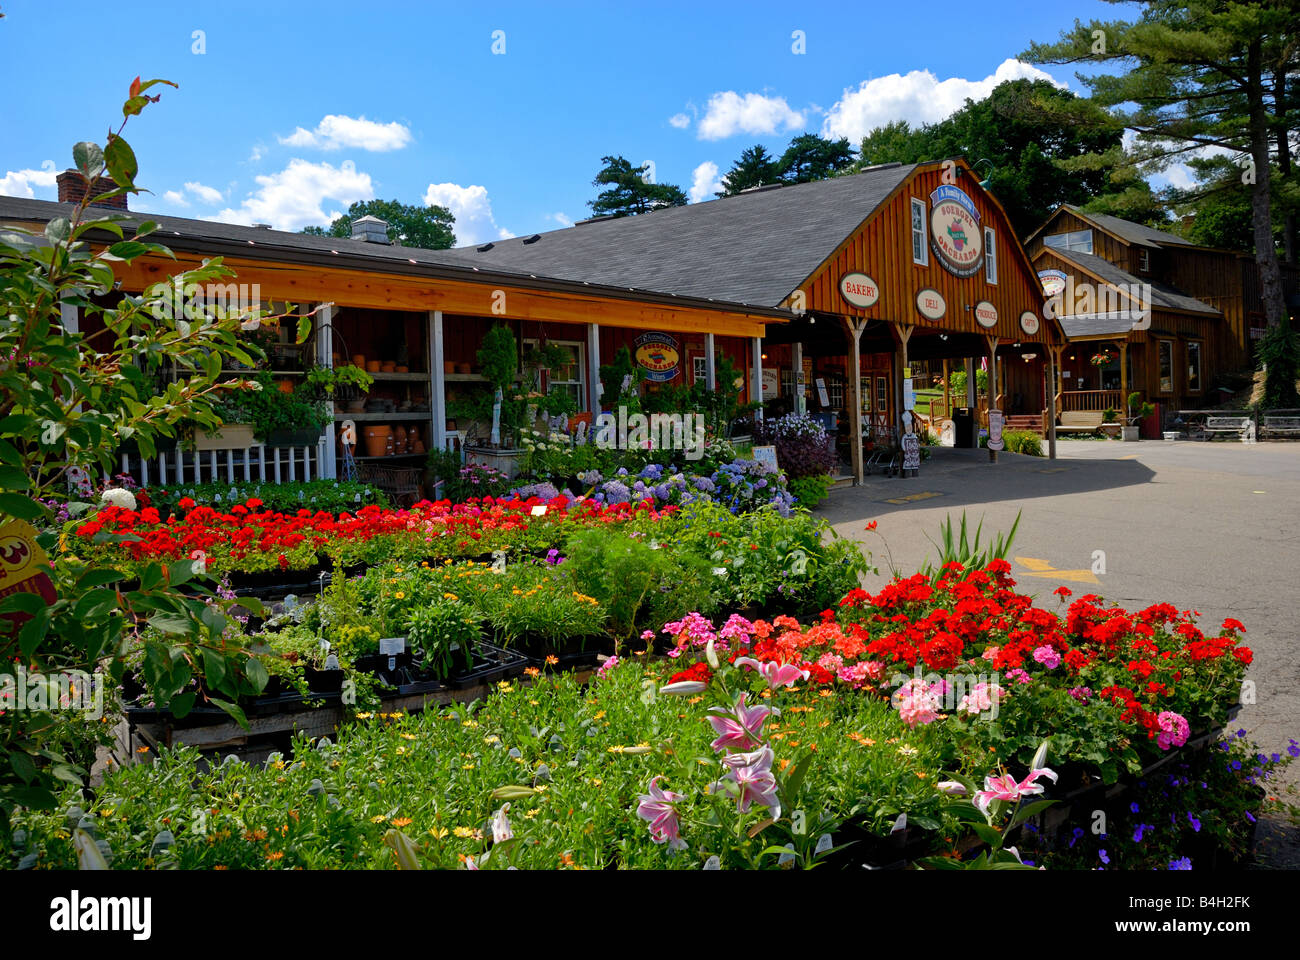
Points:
1042	568
913	497
1054	470
1131	456
1259	491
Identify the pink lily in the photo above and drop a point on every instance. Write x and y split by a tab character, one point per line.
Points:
741	727
751	780
776	674
657	808
1007	788
501	829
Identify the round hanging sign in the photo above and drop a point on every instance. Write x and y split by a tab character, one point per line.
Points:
955	234
1029	322
930	303
986	314
859	290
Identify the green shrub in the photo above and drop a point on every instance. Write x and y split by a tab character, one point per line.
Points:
811	490
1023	441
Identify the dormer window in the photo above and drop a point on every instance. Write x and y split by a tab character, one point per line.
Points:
1144	261
1078	240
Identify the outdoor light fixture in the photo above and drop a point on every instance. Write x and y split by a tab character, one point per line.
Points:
984	184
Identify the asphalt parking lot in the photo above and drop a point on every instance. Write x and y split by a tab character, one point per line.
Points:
1213	527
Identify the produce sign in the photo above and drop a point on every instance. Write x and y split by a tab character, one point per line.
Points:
658	355
955	234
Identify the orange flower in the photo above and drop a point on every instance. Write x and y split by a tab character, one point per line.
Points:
402	822
278	855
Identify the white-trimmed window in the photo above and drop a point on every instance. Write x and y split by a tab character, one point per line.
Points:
1165	365
920	236
990	255
699	368
1144	261
1194	366
568	377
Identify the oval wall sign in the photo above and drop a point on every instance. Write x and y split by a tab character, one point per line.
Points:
1029	322
859	290
986	314
930	303
955	233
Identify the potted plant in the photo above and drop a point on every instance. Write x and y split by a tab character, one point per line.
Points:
498	360
339	383
1110	426
1138	411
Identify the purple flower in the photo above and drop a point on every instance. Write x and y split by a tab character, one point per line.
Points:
1196	824
1184	863
1141	828
749	778
1102	855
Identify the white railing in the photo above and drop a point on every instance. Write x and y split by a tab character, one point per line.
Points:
258	462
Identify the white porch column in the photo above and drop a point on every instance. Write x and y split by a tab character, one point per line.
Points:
437	382
855	328
594	387
326	466
756	374
70	318
710	374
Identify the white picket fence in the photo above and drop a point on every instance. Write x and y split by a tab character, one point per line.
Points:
258	462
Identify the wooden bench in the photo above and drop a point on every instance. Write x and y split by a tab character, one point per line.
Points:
1284	426
1244	427
1080	421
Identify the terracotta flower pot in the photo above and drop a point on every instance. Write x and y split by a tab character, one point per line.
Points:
378	439
448	366
462	368
372	366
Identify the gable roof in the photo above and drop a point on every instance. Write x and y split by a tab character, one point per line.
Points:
1163	296
752	248
1125	231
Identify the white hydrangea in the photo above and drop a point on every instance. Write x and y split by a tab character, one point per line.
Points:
118	497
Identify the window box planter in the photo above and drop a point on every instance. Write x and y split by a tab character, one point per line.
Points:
505	460
231	436
1111	430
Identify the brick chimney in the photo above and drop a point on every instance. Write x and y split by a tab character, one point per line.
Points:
72	188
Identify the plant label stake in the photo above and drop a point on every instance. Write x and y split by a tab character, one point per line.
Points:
713	863
390	647
824	844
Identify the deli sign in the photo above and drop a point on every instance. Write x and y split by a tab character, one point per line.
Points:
859	290
955	233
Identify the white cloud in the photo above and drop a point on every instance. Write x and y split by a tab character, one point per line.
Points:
560	218
680	120
207	194
917	97
472	209
176	197
728	113
337	130
294	197
705	182
19	183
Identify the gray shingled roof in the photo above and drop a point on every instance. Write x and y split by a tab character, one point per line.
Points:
1098	324
753	248
1132	232
1162	295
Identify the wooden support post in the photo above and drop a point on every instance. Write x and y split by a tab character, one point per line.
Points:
438	382
594	387
947	394
1123	378
993	387
710	373
796	372
904	332
1051	372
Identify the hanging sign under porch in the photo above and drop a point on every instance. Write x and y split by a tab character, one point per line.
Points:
658	355
955	234
859	290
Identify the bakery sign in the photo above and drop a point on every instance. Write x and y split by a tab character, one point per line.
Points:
859	290
657	354
955	234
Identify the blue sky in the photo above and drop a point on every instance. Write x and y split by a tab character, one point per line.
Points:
293	110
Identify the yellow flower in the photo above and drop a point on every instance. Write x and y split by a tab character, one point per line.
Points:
407	736
437	832
467	833
450	596
378	818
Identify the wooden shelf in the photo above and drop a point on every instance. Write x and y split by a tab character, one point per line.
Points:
375	417
394	456
274	373
410	377
464	378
